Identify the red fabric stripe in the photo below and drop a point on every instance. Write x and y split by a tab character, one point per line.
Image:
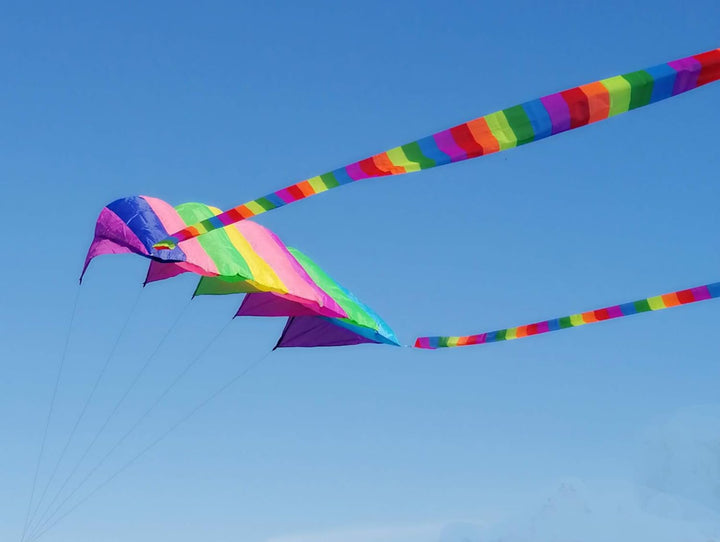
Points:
234	214
710	70
577	102
464	139
532	329
685	296
295	192
602	314
369	167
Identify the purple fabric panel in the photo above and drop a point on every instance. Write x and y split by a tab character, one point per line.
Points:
311	331
559	112
163	270
543	327
700	293
112	236
355	172
446	143
688	70
269	304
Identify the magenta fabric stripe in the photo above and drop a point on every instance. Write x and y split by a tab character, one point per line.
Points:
688	70
543	327
355	172
701	293
285	195
226	220
446	144
559	112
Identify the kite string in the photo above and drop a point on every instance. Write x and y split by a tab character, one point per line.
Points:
202	404
84	408
137	423
61	365
113	412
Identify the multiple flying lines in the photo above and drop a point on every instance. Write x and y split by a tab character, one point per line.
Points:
37	525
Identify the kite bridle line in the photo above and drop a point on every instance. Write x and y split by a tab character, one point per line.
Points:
210	398
61	366
85	406
136	378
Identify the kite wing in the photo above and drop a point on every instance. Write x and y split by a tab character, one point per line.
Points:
244	258
498	131
304	329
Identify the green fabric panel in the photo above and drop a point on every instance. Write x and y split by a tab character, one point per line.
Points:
414	154
216	243
520	123
641	84
619	89
501	335
329	180
642	306
353	309
223	286
265	204
565	322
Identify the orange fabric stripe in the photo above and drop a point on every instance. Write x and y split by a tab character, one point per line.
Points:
589	317
306	188
382	162
245	212
598	101
481	133
671	300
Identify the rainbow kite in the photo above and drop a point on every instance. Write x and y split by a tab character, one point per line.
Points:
673	299
245	258
498	131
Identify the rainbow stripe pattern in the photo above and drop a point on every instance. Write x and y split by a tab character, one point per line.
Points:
511	127
665	301
245	258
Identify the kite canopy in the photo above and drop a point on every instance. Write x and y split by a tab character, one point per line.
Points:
362	325
673	299
245	258
530	121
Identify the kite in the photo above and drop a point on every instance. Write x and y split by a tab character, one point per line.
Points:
665	301
511	127
246	258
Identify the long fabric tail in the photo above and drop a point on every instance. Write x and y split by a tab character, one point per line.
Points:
665	301
498	131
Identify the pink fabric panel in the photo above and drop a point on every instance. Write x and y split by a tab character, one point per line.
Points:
196	256
300	286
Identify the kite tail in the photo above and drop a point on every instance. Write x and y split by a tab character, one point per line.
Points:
665	301
524	123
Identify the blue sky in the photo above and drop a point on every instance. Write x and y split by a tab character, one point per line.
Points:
224	102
